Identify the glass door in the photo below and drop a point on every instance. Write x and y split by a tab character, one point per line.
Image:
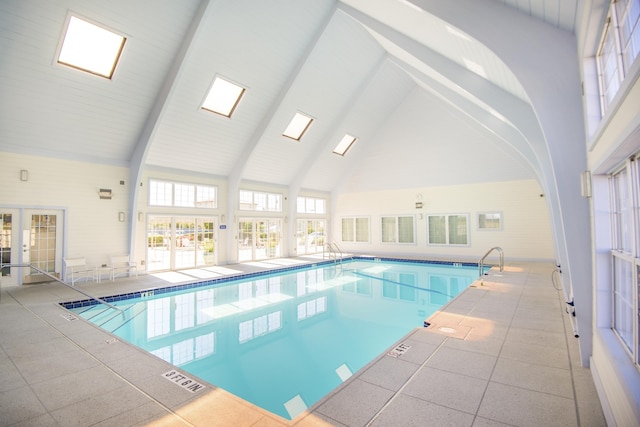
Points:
259	239
42	244
159	243
9	246
310	237
175	243
245	240
30	236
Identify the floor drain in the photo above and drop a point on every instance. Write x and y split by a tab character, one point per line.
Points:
447	330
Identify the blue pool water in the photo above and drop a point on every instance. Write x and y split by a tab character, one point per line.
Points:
284	340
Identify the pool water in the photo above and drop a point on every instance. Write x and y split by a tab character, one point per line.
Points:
283	341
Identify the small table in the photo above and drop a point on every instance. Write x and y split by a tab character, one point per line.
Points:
100	270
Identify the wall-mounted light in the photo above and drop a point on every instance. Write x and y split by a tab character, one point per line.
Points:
222	218
24	175
121	216
105	193
140	216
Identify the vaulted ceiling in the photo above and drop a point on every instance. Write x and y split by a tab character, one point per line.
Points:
388	72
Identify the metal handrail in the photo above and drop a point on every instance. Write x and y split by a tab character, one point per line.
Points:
481	262
331	251
337	248
51	276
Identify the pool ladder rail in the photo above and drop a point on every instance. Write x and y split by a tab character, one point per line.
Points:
332	249
481	262
55	279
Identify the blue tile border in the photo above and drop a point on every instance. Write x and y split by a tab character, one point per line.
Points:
243	276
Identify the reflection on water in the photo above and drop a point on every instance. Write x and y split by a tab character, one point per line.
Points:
284	341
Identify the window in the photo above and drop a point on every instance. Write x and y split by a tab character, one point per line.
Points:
355	229
628	13
625	254
618	49
223	97
448	229
489	221
259	201
311	205
166	193
398	229
298	126
90	48
345	143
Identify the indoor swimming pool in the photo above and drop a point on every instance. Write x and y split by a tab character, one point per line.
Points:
283	340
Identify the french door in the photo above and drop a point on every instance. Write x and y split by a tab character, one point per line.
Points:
30	236
175	243
310	236
259	239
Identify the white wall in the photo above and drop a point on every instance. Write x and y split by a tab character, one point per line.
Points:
526	233
94	230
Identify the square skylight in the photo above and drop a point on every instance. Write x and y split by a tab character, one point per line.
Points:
91	48
298	126
223	97
345	143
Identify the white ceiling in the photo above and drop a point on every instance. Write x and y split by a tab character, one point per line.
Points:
388	72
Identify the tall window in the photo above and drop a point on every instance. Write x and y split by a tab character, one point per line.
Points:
618	49
260	201
448	229
625	254
398	229
355	229
167	193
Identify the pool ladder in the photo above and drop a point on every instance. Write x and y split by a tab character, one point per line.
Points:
332	249
481	262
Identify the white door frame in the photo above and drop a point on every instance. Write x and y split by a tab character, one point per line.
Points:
20	241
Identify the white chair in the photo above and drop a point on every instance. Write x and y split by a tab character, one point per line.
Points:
122	266
77	269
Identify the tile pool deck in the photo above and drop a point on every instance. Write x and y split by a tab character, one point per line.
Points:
501	354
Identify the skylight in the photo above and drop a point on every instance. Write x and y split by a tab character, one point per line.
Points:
345	143
91	48
223	97
298	126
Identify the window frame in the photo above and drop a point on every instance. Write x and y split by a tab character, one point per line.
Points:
479	226
316	201
173	203
447	228
397	232
624	187
613	48
267	197
354	220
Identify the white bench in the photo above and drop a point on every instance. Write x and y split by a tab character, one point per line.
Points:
77	269
122	265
